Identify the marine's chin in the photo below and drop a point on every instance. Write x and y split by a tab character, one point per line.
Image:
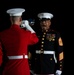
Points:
44	29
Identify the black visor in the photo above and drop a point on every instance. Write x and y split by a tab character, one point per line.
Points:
43	19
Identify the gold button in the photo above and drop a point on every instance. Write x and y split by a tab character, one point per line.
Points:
42	38
42	42
60	65
53	39
41	45
60	62
41	51
60	68
50	58
43	35
41	48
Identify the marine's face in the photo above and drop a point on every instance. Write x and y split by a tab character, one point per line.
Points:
45	24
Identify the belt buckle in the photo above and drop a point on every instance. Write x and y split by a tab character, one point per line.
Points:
23	55
41	52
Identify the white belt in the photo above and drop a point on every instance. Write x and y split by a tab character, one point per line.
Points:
44	52
47	52
18	57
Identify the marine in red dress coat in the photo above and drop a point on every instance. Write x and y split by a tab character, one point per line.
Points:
14	44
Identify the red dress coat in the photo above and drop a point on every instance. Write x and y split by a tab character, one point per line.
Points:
15	42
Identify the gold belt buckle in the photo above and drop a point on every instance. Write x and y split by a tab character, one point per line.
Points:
41	52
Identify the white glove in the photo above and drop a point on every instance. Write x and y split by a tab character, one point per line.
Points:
58	72
25	23
22	24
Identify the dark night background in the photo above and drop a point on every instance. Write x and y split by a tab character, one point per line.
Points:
57	8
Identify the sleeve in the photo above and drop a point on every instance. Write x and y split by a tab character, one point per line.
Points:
33	39
1	54
60	53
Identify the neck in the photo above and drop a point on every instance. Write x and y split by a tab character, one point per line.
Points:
44	30
17	23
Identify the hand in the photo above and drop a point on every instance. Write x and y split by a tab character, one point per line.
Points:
24	23
58	72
